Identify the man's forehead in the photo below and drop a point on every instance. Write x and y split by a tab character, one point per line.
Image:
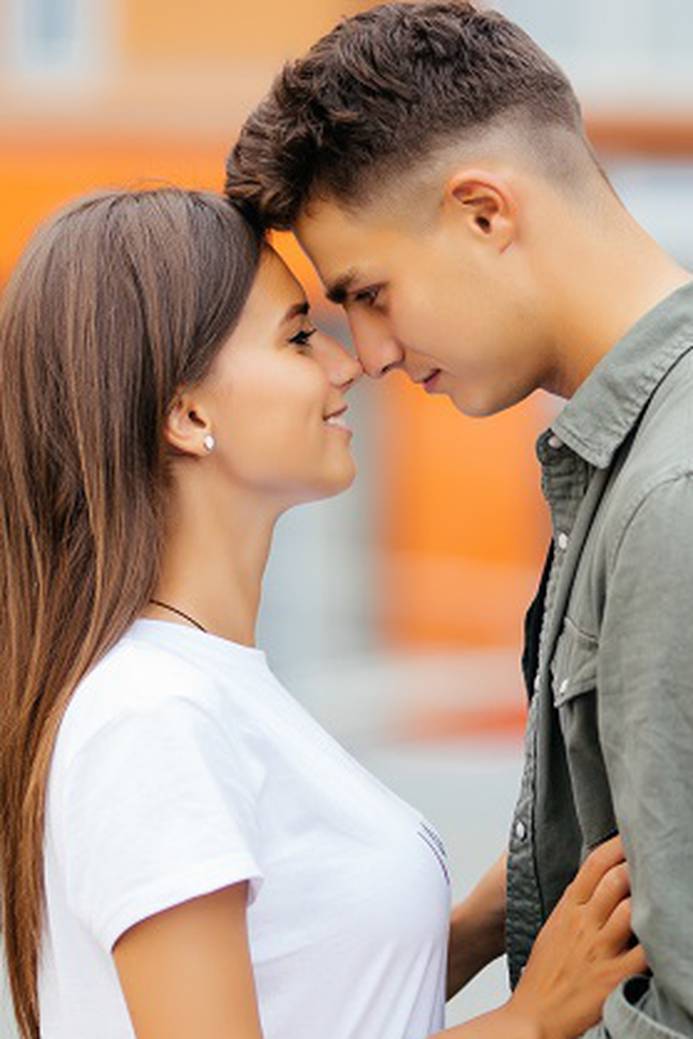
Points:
343	247
324	230
332	246
318	212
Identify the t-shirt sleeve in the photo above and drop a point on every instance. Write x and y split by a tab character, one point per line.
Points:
158	807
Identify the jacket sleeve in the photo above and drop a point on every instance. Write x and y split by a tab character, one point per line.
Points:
645	696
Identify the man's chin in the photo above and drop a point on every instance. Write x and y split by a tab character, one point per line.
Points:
484	404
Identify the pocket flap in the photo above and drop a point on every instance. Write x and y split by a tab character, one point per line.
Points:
574	664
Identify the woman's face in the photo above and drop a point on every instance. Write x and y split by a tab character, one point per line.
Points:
274	393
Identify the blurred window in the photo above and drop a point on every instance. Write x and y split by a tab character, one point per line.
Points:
635	51
670	31
55	40
50	25
660	195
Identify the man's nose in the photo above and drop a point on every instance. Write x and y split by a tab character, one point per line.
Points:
377	349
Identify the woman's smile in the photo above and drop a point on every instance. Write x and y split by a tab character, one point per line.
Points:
337	421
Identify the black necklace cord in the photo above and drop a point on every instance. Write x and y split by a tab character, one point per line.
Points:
174	609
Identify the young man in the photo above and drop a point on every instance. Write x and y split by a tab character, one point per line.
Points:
433	163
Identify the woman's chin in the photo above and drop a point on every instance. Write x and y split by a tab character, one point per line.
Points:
332	482
338	480
346	480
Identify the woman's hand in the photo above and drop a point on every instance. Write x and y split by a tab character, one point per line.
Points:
583	952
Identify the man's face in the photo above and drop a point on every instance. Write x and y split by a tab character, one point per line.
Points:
444	301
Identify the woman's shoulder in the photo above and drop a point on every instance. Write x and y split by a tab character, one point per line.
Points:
135	678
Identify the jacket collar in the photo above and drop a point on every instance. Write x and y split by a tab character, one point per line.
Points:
605	408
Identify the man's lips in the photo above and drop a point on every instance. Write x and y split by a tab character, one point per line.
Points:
429	384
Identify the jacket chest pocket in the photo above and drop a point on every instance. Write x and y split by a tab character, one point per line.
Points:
574	687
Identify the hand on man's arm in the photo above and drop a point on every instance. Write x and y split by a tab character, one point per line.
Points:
645	703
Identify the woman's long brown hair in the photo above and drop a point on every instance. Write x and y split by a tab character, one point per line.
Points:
118	302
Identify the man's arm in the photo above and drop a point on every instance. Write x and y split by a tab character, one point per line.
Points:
645	697
477	928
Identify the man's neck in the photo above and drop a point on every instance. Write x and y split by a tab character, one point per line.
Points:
618	281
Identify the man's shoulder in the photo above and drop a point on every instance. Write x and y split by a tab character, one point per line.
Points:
660	450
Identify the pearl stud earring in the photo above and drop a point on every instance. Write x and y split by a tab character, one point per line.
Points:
209	442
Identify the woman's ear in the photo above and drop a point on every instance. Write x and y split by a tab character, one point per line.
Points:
487	205
187	427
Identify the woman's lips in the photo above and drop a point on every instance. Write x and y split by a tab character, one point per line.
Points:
338	421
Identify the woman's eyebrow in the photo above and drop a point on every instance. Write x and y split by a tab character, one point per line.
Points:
295	310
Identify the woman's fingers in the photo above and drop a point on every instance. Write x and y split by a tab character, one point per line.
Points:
593	869
616	932
583	951
633	962
609	894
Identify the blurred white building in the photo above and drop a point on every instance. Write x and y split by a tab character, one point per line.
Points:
619	53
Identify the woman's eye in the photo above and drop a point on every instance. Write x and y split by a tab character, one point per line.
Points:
302	339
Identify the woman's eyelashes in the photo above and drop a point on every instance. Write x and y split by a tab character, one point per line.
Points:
302	338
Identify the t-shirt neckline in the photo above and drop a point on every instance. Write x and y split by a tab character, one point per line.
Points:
201	643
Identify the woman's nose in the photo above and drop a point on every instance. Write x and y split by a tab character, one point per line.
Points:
350	371
342	368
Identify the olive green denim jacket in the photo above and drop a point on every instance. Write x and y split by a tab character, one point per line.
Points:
609	742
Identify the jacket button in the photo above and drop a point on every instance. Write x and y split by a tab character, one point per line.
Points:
520	830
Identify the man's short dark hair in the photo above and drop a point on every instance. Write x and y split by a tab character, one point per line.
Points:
381	92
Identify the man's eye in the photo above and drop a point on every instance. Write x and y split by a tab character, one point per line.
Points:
302	339
367	296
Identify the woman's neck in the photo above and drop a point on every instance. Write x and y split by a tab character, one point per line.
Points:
214	559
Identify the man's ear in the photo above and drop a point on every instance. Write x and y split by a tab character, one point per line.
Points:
487	204
187	424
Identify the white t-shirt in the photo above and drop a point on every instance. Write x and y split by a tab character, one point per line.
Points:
181	766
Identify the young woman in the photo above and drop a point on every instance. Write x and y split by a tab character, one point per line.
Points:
185	852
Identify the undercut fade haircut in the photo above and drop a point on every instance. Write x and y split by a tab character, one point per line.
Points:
380	93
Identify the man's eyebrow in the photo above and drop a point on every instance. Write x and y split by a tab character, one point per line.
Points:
338	290
295	310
